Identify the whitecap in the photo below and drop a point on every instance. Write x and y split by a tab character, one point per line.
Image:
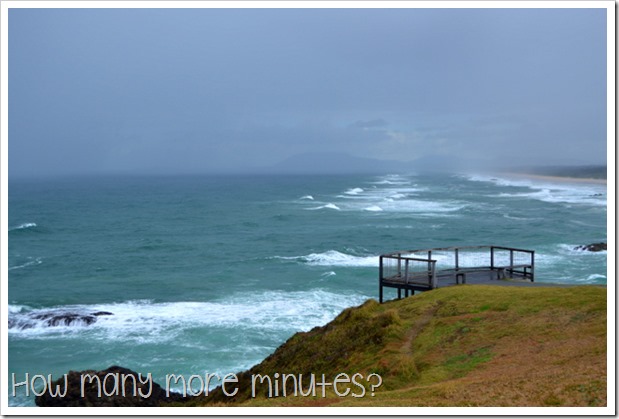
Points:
17	308
424	206
392	180
373	208
327	206
23	226
511	217
309	197
334	258
548	191
36	261
354	191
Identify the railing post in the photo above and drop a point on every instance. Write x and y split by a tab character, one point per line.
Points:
406	272
380	279
532	266
429	263
456	259
492	258
511	261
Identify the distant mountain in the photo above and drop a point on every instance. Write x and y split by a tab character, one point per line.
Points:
337	163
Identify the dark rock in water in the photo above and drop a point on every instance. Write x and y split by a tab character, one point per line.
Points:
53	318
139	390
102	313
595	247
65	318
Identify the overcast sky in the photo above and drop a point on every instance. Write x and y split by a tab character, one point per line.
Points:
202	90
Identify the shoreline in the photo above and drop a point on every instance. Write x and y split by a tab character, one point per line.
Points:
564	179
340	335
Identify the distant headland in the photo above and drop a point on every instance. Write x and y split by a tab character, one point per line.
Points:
587	173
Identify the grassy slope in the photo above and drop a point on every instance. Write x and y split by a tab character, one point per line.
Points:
456	346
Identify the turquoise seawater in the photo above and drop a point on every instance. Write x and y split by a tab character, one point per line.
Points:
212	273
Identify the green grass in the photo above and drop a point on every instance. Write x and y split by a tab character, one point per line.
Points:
458	346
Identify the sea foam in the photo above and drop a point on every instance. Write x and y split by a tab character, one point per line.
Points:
147	321
334	258
548	191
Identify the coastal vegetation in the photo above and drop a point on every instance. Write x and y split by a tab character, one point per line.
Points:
455	346
471	345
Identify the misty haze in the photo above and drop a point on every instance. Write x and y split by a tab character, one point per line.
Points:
224	90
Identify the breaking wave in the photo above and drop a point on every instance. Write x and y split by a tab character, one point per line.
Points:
548	191
148	321
31	262
334	258
354	191
327	206
23	226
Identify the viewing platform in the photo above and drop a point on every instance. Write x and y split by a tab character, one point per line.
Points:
426	269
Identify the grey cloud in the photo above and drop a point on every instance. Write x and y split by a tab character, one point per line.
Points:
115	90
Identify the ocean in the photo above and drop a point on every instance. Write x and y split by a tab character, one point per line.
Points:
212	273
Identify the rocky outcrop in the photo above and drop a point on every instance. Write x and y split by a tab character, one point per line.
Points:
113	387
594	247
54	318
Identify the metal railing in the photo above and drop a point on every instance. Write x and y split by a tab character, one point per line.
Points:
408	270
520	261
420	269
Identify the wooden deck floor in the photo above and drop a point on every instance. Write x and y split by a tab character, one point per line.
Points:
448	279
486	277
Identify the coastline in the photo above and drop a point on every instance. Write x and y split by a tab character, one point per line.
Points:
479	354
564	179
323	265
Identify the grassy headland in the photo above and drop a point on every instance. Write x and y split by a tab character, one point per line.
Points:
458	346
